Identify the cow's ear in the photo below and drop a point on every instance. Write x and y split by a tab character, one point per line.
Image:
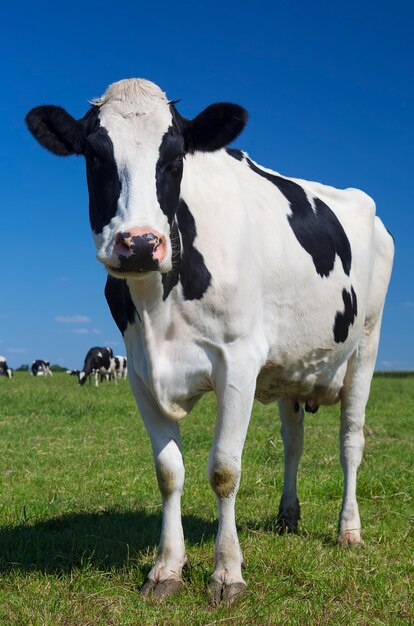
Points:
56	130
215	127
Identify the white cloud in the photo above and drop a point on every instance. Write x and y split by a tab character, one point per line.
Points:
17	350
408	304
393	364
85	331
111	343
73	319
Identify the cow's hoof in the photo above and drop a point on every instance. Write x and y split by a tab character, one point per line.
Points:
221	592
349	539
161	589
287	518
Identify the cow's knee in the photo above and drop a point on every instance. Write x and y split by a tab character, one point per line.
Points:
224	475
170	470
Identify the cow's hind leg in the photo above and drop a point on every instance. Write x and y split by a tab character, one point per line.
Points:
291	417
164	578
354	397
235	400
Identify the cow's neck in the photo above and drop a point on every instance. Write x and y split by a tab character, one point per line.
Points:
153	311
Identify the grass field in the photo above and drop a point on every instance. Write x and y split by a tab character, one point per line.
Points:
80	513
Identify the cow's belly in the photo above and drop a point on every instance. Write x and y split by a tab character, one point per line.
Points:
310	383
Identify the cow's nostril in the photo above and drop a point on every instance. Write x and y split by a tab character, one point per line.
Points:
122	237
123	243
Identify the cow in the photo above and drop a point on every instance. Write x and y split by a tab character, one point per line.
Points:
225	275
100	363
120	367
5	370
40	368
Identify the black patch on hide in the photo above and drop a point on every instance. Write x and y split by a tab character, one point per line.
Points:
120	302
189	267
345	319
320	233
169	171
236	154
104	184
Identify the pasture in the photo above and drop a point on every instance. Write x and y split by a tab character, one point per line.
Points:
80	513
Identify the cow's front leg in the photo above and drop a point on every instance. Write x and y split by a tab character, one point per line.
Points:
164	578
235	401
291	417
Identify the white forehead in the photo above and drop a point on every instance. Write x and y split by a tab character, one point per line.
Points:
136	114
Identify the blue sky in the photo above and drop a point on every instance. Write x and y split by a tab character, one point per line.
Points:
329	88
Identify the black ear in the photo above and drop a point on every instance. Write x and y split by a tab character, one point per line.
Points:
215	127
56	130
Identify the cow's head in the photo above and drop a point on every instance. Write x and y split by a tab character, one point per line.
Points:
134	142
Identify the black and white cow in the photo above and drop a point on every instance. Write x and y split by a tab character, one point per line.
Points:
120	367
100	363
5	370
41	368
226	276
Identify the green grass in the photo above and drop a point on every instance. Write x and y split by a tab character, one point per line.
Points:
80	513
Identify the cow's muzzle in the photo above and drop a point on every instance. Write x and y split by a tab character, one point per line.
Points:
139	250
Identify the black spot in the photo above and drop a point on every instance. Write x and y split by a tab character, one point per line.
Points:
320	233
344	320
169	171
194	275
296	407
189	268
102	176
120	302
236	154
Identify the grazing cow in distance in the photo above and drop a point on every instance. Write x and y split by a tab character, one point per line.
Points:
5	370
99	362
225	275
41	368
120	366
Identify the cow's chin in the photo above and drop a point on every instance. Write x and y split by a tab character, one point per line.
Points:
119	272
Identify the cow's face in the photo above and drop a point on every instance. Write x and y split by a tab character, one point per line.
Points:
134	143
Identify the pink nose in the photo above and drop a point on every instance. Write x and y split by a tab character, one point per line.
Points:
145	244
